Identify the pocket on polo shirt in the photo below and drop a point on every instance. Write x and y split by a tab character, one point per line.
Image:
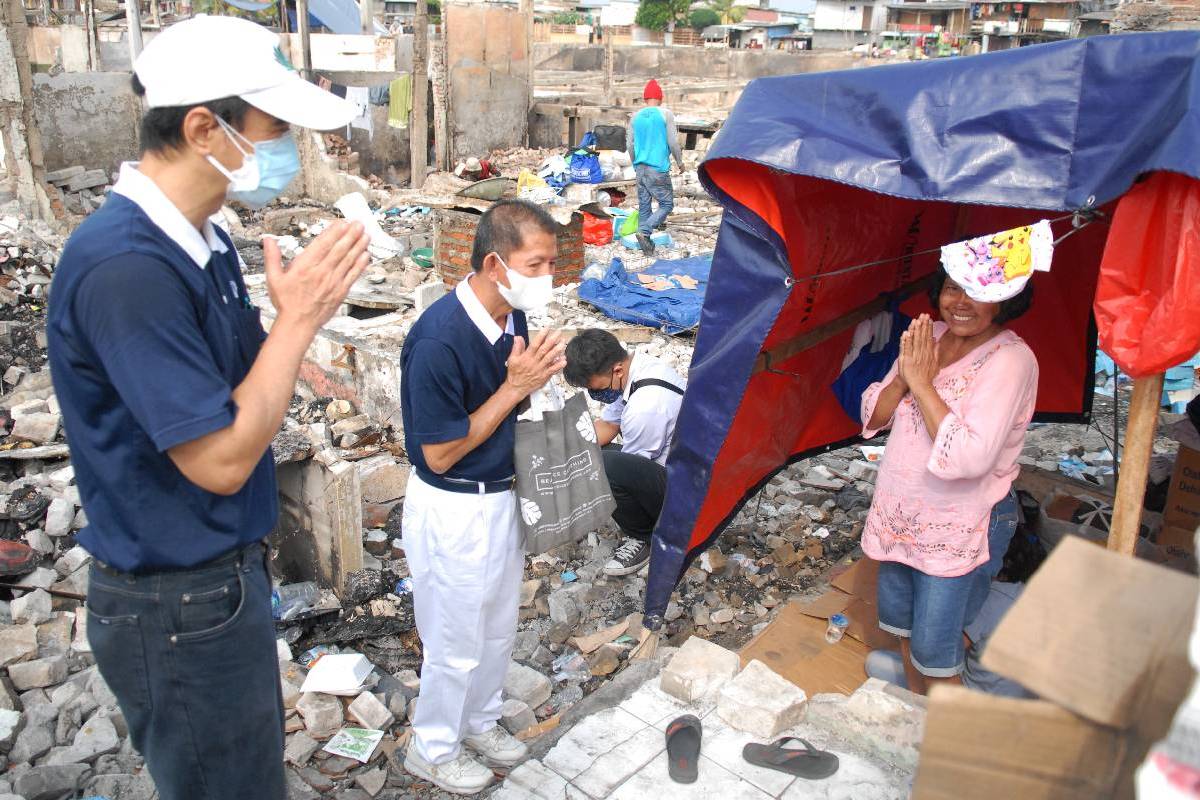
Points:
209	609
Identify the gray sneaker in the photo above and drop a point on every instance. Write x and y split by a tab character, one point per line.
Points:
645	243
631	556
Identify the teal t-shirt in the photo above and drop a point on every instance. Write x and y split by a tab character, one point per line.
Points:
650	138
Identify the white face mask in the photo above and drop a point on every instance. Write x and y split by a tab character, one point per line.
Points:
527	294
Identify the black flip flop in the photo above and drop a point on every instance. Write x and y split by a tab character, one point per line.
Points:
809	763
683	749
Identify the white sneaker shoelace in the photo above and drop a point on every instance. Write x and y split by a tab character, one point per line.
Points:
627	550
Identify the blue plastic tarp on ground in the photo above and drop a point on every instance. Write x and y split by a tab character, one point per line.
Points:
621	295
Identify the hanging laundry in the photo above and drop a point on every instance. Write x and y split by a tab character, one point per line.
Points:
400	102
360	96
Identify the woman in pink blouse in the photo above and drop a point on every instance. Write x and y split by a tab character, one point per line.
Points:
958	402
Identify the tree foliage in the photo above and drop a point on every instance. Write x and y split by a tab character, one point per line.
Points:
729	12
657	14
703	18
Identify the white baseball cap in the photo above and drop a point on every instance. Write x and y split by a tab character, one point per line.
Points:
209	58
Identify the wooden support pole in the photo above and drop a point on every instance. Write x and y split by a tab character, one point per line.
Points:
527	23
418	128
1135	467
367	13
133	16
89	30
155	14
608	68
305	42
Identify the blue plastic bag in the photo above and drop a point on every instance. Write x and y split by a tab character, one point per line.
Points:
585	167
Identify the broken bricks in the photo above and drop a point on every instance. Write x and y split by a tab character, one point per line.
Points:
761	702
699	669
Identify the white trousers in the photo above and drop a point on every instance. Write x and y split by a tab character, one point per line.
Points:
464	552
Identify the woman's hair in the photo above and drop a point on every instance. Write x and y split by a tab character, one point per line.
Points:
1010	309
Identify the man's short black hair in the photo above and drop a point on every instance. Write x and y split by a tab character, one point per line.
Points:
1010	309
502	229
592	352
162	128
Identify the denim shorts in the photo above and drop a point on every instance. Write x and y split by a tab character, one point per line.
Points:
933	611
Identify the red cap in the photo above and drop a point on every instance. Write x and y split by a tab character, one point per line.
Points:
652	91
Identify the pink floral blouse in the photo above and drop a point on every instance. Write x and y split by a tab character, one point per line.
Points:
934	497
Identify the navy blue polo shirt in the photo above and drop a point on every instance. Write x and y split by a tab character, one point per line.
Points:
453	360
146	347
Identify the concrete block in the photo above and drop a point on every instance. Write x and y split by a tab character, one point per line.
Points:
60	516
300	748
320	529
383	482
372	781
34	607
38	674
60	176
86	180
40	542
96	738
700	668
40	578
322	714
37	428
33	742
49	782
351	425
35	406
427	294
761	702
17	643
527	685
73	559
10	726
371	713
880	721
517	716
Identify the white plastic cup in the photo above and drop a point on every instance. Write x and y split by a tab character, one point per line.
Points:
837	628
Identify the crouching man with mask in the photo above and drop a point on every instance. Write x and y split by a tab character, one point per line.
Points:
171	394
465	367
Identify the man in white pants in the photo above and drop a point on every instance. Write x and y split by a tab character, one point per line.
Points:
465	369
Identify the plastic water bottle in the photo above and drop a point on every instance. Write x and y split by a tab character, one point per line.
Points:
289	600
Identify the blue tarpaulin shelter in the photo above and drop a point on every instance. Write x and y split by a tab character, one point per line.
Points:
622	296
840	186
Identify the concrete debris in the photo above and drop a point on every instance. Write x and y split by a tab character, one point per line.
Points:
322	714
761	702
527	685
698	670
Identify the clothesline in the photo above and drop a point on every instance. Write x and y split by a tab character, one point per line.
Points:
1088	218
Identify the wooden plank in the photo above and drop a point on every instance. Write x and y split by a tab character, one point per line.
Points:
331	52
770	359
1135	466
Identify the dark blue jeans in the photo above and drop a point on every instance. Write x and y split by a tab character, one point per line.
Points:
653	186
191	659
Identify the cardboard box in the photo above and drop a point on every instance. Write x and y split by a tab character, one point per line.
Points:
1102	639
794	646
1183	498
853	594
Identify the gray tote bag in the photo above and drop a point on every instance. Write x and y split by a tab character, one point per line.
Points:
562	491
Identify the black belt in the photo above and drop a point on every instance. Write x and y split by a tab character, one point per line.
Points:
463	486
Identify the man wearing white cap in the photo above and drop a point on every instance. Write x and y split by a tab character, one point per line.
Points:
171	394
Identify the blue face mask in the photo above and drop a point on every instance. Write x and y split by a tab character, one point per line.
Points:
606	396
267	167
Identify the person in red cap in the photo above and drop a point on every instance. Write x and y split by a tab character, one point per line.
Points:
653	140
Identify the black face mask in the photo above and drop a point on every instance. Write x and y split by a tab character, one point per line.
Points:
607	396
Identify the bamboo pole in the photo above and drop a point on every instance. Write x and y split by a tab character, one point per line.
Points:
1135	468
418	128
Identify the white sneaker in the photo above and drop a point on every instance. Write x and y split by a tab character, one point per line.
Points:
498	746
630	557
461	775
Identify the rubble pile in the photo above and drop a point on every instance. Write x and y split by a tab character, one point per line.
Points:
80	190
